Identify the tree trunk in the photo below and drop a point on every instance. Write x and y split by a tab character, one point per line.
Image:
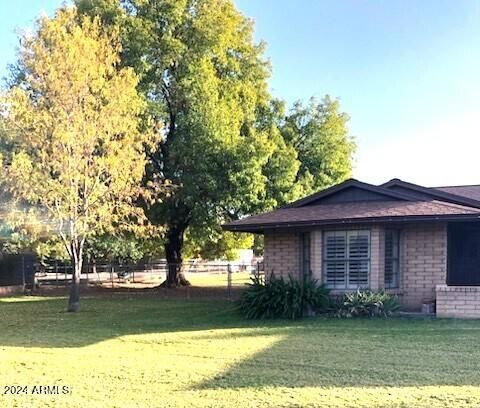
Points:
76	254
173	253
74	300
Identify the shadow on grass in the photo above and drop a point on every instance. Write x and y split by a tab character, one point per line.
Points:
43	321
362	353
316	352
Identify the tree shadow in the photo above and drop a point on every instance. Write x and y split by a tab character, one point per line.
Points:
316	352
395	353
43	321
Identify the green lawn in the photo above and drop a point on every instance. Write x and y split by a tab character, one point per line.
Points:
148	352
202	279
238	279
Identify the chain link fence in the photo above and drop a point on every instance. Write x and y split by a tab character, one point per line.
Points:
149	275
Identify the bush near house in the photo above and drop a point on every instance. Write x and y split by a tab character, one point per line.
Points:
293	299
279	298
366	303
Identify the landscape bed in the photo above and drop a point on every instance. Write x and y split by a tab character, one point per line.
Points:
147	351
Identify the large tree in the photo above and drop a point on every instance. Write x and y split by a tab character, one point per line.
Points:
319	134
222	143
72	152
315	137
205	79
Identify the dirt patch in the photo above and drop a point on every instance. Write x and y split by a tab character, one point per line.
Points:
138	289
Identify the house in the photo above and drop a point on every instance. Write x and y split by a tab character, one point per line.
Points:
420	243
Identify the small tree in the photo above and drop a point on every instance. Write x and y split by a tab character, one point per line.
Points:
72	151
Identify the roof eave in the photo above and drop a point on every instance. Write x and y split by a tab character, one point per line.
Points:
433	192
261	227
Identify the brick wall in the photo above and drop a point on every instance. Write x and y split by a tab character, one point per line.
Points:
423	258
423	262
458	301
316	254
377	257
282	254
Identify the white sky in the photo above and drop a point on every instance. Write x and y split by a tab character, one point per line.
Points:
447	153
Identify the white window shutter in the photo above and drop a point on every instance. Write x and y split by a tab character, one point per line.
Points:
347	259
335	255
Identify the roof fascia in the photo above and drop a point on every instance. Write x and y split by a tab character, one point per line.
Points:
433	192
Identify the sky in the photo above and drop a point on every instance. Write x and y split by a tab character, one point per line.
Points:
407	72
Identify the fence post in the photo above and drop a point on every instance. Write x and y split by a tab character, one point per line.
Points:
133	272
65	270
229	281
111	274
56	273
182	268
23	274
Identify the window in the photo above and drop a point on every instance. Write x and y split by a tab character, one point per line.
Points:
392	256
346	259
463	256
306	266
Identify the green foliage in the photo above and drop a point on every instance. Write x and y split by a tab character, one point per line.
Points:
319	134
123	247
366	303
225	148
71	146
72	151
52	248
216	245
204	79
16	242
277	298
258	244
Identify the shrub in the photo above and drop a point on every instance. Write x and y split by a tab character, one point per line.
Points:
277	298
367	303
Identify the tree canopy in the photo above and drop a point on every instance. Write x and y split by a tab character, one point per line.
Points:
73	155
223	145
114	97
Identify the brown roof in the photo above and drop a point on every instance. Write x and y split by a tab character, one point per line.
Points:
435	193
472	191
355	212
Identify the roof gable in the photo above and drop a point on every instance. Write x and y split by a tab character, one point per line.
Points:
432	193
351	191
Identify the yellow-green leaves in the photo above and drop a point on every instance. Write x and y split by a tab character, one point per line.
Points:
72	150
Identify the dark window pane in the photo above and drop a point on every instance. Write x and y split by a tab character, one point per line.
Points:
306	265
392	250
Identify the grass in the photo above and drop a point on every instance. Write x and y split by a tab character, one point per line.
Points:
202	279
219	279
153	352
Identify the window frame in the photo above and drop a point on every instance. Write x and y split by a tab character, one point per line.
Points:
347	259
395	260
306	249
